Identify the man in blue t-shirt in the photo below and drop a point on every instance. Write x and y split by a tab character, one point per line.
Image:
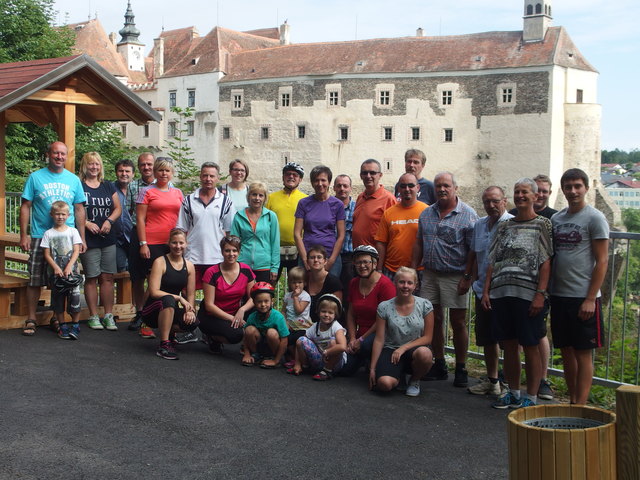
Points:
44	187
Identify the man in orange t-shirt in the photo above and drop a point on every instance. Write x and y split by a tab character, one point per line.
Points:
370	205
398	227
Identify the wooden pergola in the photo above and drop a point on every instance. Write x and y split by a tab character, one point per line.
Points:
60	92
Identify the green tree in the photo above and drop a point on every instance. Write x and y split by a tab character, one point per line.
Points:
180	151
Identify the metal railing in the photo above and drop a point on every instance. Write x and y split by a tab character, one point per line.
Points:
617	363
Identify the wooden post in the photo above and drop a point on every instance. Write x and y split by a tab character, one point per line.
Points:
628	431
3	185
67	133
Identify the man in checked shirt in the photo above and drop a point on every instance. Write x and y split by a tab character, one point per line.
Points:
443	241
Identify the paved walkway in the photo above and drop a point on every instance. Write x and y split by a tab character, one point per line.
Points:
106	407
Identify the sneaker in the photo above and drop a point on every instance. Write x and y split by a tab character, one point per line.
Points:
146	332
74	333
413	389
461	378
109	323
438	371
94	323
186	337
215	348
485	387
63	331
525	402
167	351
545	392
134	324
507	401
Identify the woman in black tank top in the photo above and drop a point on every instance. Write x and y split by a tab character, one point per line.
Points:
168	308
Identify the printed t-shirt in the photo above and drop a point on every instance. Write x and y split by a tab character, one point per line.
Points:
398	229
60	245
99	206
401	330
297	321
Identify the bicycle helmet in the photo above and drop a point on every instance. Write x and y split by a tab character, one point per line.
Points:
262	287
294	167
367	250
332	298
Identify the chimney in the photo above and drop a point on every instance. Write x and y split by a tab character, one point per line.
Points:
284	34
113	37
158	57
420	32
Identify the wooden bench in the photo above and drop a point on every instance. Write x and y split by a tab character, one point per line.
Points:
122	282
18	286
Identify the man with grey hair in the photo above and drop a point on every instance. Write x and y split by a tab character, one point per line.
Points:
414	162
370	204
444	237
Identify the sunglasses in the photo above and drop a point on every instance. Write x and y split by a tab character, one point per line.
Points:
406	185
364	173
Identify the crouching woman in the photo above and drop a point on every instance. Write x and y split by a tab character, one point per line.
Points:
404	330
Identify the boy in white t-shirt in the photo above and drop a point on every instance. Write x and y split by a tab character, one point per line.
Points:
61	247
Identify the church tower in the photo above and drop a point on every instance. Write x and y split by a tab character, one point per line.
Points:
130	47
537	19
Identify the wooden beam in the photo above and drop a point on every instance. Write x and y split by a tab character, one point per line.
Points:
68	96
67	133
36	115
3	185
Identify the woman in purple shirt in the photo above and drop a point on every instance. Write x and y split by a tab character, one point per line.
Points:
320	221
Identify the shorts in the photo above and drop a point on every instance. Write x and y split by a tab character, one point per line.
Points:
96	261
384	367
484	334
262	275
200	269
569	331
153	307
37	268
442	289
134	261
218	327
70	297
511	320
122	256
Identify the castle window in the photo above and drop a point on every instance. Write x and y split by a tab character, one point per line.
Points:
448	135
415	133
302	131
447	97
172	129
529	9
579	94
226	133
285	100
343	133
191	98
237	100
333	94
172	98
265	133
538	8
191	128
384	96
506	93
285	95
145	130
123	130
387	134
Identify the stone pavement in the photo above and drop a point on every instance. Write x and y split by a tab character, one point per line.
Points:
107	407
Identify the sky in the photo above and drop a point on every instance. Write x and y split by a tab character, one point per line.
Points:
605	31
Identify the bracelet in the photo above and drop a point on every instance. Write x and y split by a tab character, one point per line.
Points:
110	221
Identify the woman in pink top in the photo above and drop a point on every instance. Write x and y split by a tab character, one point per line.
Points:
157	211
227	299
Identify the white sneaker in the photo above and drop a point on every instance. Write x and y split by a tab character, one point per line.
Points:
413	389
485	387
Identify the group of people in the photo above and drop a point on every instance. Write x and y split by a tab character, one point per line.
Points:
368	279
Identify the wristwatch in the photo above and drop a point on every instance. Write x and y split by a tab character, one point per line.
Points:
143	243
467	276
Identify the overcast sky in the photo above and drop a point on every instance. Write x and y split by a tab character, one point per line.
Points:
605	31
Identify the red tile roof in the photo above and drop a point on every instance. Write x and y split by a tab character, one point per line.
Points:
480	51
18	74
625	183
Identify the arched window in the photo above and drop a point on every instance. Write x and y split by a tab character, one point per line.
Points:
546	9
538	8
549	10
529	9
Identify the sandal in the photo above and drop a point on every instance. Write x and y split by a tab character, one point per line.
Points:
293	371
323	375
54	325
269	367
29	328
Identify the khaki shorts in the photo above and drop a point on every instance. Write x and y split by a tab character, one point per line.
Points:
442	289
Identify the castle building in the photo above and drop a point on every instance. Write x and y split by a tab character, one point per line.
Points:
490	107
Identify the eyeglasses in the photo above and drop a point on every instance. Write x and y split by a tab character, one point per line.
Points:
238	170
315	257
364	173
362	263
406	185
